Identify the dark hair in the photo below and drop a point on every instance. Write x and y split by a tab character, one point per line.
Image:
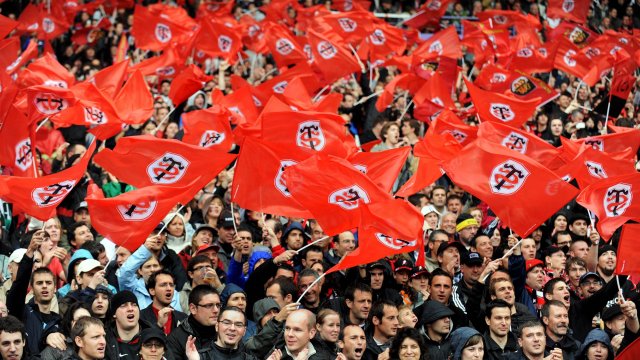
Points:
94	247
311	248
11	324
308	272
548	287
574	261
474	241
350	293
492	285
287	287
151	283
81	326
439	272
198	259
40	271
454	197
528	324
201	291
436	188
410	333
71	236
232	308
385	128
496	304
415	199
547	306
67	319
245	228
554	238
433	234
377	310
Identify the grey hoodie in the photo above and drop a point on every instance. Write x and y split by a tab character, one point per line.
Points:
459	338
595	335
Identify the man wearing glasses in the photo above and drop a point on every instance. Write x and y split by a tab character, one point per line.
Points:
231	327
204	308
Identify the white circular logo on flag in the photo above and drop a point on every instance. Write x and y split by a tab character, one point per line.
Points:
49	103
224	43
95	116
434	5
501	112
347	24
498	78
595	169
137	212
278	181
568	5
284	46
326	50
24	156
48	25
436	47
568	58
617	199
53	194
310	135
508	177
377	37
436	100
163	33
349	198
211	138
58	83
393	243
167	169
280	87
524	53
515	141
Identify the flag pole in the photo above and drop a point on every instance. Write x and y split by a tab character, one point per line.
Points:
233	216
317	97
406	109
312	243
309	288
364	99
167	223
42	124
355	54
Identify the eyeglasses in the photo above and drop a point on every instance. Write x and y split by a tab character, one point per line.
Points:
209	306
238	325
156	344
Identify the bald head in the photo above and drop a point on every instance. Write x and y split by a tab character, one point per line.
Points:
303	316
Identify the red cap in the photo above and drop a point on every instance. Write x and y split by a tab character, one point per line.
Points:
531	263
207	247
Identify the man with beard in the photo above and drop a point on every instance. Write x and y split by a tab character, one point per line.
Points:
555	317
352	342
161	287
39	320
231	326
89	338
606	262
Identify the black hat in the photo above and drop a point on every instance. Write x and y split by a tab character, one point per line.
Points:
119	299
377	265
153	333
81	205
455	244
104	290
206	227
159	227
604	248
611	312
402	264
472	258
591	274
578	216
226	219
433	311
419	270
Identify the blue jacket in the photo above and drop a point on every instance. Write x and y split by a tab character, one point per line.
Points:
234	272
129	280
595	335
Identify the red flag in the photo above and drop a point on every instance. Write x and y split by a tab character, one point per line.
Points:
46	101
241	103
429	14
6	26
593	165
217	39
187	83
166	65
382	167
331	57
628	260
46	24
253	36
110	79
570	60
574	33
308	132
448	122
154	31
258	183
510	18
134	101
408	82
208	128
28	54
521	141
502	178
283	46
383	41
351	26
532	59
431	151
39	197
515	83
376	239
432	98
128	219
333	191
492	106
92	109
17	147
615	142
279	83
444	43
571	10
46	71
147	161
613	201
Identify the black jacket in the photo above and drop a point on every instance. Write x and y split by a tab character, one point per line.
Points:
176	342
492	350
439	350
215	352
37	324
149	316
570	347
373	350
171	261
120	350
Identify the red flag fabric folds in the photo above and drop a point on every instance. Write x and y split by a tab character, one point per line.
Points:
208	128
382	167
39	197
154	31
187	83
521	192
628	254
496	107
614	201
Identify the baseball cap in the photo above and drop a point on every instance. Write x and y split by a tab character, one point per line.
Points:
207	247
225	220
81	205
418	270
611	312
531	263
87	265
402	264
604	248
461	249
377	265
590	274
472	258
153	333
206	227
16	255
159	227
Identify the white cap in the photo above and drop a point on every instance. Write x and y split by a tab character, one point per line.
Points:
89	264
427	209
16	255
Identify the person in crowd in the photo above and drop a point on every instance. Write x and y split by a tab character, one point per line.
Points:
408	344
